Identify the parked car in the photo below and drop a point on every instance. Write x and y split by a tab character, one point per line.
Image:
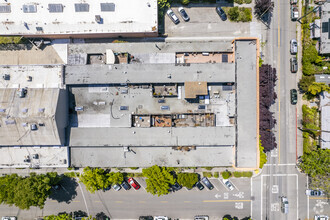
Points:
116	187
176	186
201	217
228	184
284	205
199	186
293	46
183	14
293	96
133	183
293	64
294	12
173	17
123	108
106	189
321	217
146	217
292	2
125	185
160	218
221	13
164	107
9	218
310	192
207	183
161	100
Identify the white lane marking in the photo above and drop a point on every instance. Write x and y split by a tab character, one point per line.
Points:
84	198
215	187
224	185
280	175
281	164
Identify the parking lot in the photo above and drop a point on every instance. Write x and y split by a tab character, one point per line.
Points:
205	22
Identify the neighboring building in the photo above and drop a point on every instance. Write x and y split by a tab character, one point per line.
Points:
33	117
325	120
194	105
322	78
79	19
325	29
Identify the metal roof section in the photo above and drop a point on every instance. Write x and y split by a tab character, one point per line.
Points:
325	119
325	32
246	111
155	136
322	78
66	18
149	73
146	156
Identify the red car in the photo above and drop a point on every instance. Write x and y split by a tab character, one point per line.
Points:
133	183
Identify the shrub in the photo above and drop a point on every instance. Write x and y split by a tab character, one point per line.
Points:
70	174
248	1
247	174
226	174
216	174
208	168
187	179
239	1
70	168
134	168
263	156
207	174
237	174
185	2
233	13
10	40
119	41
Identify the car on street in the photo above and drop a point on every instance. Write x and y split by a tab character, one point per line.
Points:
292	2
9	218
183	14
293	46
228	184
321	217
199	185
207	183
201	217
294	12
221	13
293	65
160	218
176	187
116	187
311	192
148	217
172	16
133	183
284	205
125	185
293	96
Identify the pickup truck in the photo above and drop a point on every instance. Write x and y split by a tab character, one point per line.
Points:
294	12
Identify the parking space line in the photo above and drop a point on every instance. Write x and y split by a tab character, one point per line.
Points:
82	192
214	186
234	185
185	188
248	200
224	185
143	187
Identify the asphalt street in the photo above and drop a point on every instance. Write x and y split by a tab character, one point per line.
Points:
183	204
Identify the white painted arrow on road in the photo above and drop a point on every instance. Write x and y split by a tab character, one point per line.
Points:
217	196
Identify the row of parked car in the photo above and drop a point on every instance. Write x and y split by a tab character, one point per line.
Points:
127	186
186	17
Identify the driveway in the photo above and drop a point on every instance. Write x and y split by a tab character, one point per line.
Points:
205	22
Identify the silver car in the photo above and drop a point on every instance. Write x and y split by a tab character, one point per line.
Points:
293	46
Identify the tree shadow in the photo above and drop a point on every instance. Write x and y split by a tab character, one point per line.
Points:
66	192
102	216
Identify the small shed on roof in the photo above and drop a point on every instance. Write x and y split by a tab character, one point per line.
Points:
193	89
111	59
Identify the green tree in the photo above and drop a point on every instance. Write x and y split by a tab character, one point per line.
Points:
163	3
233	13
64	216
185	2
187	179
226	174
305	82
95	179
25	192
263	156
317	88
116	178
158	179
316	165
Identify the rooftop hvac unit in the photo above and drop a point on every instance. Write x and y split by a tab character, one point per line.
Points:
98	19
6	77
22	92
34	127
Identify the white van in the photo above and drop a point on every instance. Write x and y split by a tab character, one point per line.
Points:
284	205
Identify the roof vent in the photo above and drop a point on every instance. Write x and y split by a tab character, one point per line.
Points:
25	110
79	109
41	110
34	127
22	92
98	19
2	110
6	77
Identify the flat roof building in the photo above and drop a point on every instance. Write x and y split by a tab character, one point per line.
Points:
325	29
325	120
74	19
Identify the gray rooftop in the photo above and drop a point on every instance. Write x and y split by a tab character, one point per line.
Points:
155	136
322	78
325	28
325	119
149	73
145	157
247	139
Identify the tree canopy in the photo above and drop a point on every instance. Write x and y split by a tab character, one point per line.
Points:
187	179
25	192
158	179
95	179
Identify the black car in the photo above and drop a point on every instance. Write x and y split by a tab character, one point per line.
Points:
176	187
199	186
293	96
207	183
125	185
221	13
183	14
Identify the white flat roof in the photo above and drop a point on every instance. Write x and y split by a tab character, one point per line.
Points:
42	76
117	16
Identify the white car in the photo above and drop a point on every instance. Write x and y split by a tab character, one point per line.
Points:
160	218
293	46
173	17
228	184
321	217
9	218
